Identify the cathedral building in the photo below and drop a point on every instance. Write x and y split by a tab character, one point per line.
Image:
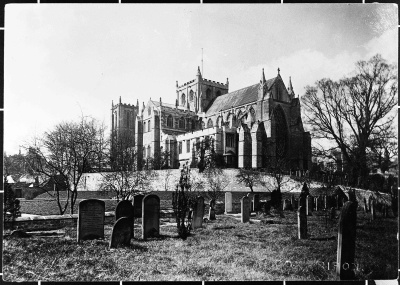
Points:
250	127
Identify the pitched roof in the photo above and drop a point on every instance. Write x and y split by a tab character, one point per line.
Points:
237	98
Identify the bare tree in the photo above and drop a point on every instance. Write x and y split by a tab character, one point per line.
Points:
249	177
64	154
355	112
124	179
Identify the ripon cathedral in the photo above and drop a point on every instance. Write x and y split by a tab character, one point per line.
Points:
249	127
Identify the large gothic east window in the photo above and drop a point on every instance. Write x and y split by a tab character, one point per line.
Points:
281	133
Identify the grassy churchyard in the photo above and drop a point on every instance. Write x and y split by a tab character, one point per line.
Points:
266	248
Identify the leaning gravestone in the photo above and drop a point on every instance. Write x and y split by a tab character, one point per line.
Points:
302	222
137	205
90	219
346	241
150	216
228	202
211	214
122	232
124	209
198	213
245	209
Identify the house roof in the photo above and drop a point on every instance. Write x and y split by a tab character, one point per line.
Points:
237	98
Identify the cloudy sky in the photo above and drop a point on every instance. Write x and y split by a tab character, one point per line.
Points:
62	61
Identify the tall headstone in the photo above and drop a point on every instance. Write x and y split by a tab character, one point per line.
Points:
125	209
198	213
211	214
121	233
302	222
316	203
137	205
325	202
346	241
267	207
287	205
90	219
228	202
256	202
245	209
150	216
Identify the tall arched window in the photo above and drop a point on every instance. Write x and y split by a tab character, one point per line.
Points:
183	99
191	95
170	122
209	123
148	126
144	127
187	123
202	124
148	151
208	93
281	132
218	93
252	114
181	123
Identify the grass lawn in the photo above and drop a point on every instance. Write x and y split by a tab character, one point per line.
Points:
222	250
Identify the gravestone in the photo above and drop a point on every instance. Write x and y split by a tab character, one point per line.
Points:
18	193
302	222
245	209
316	203
211	214
150	216
124	209
90	219
337	202
228	202
292	202
346	241
198	213
302	201
365	205
122	232
332	213
137	205
256	202
287	206
373	210
325	202
309	202
267	207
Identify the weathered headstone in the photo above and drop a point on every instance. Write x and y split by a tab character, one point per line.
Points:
150	216
245	209
373	210
122	232
332	213
292	199
90	219
267	207
325	202
228	202
198	213
302	222
18	193
346	241
137	205
365	205
309	206
317	203
287	206
256	202
211	214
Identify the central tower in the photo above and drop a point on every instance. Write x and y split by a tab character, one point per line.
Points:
198	94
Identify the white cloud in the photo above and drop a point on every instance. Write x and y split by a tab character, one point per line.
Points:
386	44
